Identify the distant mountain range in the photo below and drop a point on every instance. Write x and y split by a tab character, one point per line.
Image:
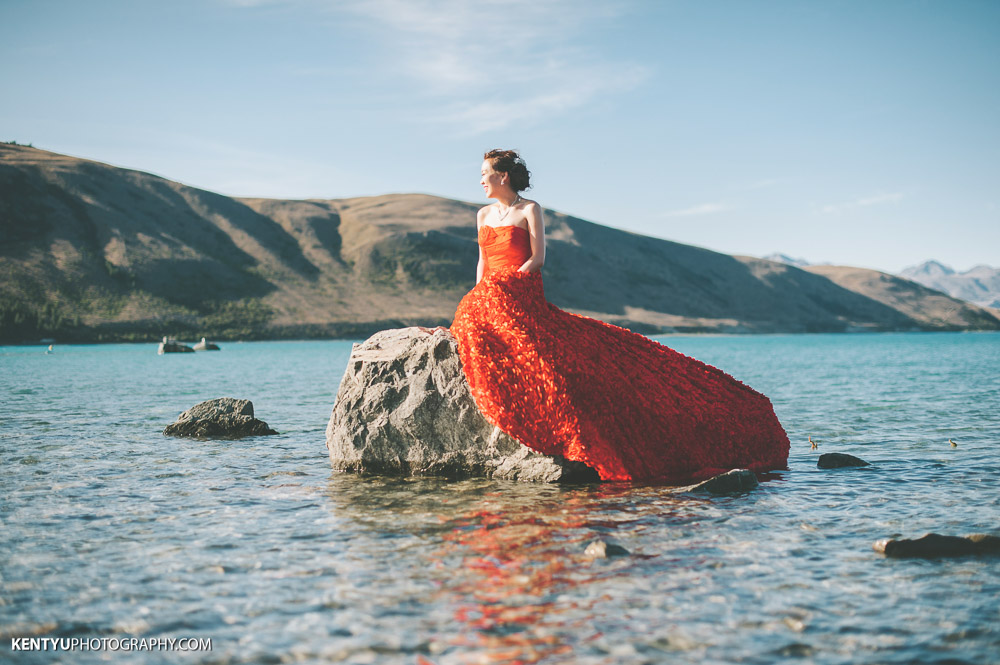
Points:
979	285
788	260
91	252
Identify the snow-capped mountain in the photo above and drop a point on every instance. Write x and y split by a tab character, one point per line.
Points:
979	285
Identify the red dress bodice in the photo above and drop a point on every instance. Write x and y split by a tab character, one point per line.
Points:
504	247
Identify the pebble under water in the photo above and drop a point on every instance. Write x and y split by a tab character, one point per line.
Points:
112	530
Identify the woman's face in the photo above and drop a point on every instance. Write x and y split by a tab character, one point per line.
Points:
491	180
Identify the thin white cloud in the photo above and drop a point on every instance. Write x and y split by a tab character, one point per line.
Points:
490	64
490	42
533	104
487	65
876	199
703	209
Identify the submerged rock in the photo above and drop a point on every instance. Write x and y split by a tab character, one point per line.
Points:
169	345
600	549
222	418
839	460
404	408
730	482
935	545
205	345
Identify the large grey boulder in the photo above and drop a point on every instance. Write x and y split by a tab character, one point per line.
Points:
404	408
222	418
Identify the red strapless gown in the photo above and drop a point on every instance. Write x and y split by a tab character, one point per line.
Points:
569	385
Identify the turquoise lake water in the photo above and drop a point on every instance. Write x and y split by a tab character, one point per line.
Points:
112	530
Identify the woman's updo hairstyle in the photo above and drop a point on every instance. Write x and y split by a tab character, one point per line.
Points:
509	162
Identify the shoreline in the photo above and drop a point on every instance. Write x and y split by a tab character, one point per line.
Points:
193	340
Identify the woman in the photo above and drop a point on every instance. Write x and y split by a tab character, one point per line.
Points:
569	385
504	177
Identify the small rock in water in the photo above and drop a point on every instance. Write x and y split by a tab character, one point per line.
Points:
173	346
205	345
600	549
985	543
935	545
839	460
730	482
222	418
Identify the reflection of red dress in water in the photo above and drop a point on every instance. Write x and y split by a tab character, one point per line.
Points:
569	385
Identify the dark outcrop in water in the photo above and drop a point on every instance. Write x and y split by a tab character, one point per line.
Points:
173	346
935	545
839	460
730	482
404	408
601	549
222	418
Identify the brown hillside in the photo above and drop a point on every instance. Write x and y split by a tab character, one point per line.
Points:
89	251
929	308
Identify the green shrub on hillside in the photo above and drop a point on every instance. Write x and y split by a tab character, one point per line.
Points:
22	322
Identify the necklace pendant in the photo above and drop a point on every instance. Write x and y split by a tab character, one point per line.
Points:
503	215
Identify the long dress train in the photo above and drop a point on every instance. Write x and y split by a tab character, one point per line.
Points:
570	385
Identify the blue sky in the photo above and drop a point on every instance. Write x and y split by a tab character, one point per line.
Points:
860	133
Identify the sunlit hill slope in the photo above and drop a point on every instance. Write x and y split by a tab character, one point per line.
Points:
92	252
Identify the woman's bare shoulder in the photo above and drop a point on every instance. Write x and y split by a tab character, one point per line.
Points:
481	214
531	208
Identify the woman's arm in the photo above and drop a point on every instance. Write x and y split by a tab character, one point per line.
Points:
536	227
481	266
